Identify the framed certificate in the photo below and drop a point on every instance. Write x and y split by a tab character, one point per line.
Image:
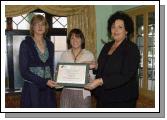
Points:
72	74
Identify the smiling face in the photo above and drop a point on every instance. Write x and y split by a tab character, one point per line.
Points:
118	31
75	41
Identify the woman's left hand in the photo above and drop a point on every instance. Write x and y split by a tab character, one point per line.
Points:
94	84
92	64
51	83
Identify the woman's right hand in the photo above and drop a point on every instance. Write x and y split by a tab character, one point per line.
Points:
51	83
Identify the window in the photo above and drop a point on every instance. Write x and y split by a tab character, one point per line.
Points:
59	22
16	30
22	22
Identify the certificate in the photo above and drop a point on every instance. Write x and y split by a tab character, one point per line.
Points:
72	74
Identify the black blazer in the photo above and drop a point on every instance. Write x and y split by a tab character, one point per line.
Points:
119	73
28	57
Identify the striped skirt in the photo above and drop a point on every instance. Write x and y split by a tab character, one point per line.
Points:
75	98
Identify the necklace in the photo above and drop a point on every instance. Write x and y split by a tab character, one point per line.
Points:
75	56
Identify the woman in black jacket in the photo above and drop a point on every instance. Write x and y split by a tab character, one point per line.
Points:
116	83
36	66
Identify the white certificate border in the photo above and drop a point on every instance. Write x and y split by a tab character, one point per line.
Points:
73	84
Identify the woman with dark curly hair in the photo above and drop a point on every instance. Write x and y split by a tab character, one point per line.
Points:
116	83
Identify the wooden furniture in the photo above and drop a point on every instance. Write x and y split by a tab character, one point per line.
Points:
144	37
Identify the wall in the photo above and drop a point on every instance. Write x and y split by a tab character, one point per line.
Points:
102	14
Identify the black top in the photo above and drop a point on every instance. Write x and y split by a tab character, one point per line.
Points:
28	57
119	72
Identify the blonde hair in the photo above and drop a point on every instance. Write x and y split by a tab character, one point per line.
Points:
36	19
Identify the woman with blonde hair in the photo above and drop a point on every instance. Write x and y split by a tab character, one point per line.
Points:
36	66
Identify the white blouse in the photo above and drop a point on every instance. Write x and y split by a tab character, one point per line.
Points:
84	56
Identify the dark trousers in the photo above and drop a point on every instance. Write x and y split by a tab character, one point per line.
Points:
121	104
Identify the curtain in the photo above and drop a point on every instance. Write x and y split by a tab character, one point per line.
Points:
78	16
60	10
87	23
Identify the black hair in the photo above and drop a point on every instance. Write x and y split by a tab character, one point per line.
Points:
128	22
79	34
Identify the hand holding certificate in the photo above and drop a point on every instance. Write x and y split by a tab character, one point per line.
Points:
94	84
72	74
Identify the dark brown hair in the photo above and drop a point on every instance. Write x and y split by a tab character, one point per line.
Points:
79	34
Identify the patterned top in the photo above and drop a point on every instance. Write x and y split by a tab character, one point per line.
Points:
43	72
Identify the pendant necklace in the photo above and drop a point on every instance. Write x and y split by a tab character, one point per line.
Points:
75	57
